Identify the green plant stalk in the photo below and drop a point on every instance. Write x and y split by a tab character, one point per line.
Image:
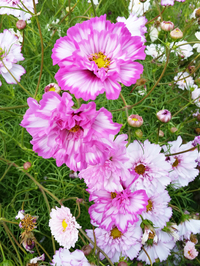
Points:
4	258
42	50
147	255
95	14
5	227
13	107
5	172
156	16
48	206
191	149
44	250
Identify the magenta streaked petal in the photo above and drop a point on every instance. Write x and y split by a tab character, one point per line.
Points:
130	72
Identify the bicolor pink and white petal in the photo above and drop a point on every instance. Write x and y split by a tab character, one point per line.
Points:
183	165
169	2
10	54
71	136
14	8
95	56
117	208
117	245
64	227
108	175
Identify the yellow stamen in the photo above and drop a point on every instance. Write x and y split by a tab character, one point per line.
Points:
140	169
113	195
101	60
64	225
75	128
149	206
115	233
52	89
134	119
28	222
176	162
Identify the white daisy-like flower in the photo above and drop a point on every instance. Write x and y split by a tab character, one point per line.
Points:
138	8
187	227
64	227
18	35
184	51
183	164
197	45
156	50
154	33
183	81
196	95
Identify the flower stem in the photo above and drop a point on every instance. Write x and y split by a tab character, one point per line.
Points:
44	250
95	14
155	17
191	149
13	107
147	255
4	258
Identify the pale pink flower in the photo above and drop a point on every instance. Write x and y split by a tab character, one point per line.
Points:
184	164
36	259
117	244
135	25
164	116
170	2
149	163
6	8
71	136
64	227
187	227
10	54
176	34
167	25
109	174
182	49
190	251
63	257
95	57
117	208
185	82
135	120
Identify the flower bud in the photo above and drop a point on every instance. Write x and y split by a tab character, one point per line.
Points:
52	87
197	13
198	117
141	81
139	133
161	133
142	1
197	130
173	129
176	34
191	69
27	165
135	120
167	25
122	263
139	264
164	116
193	239
86	249
21	24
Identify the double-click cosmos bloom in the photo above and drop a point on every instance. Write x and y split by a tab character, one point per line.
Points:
117	208
117	244
64	227
95	56
14	8
71	136
10	54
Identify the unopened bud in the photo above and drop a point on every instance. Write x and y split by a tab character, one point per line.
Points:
27	165
122	263
193	239
161	133
135	120
139	264
21	24
197	13
167	25
164	116
198	21
79	200
139	133
176	34
191	69
52	87
141	81
173	129
67	9
197	130
86	249
143	1
198	117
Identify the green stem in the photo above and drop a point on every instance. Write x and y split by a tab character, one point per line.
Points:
4	258
95	14
158	133
156	16
42	50
5	172
191	149
44	250
147	255
13	107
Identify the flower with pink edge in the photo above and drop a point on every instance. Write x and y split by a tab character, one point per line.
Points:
135	120
190	251
167	25
164	116
170	2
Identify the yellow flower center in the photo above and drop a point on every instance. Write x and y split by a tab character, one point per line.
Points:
151	235
140	169
176	162
28	222
113	195
52	89
134	119
75	128
115	233
64	225
149	206
101	60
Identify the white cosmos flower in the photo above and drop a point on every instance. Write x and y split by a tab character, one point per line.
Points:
197	45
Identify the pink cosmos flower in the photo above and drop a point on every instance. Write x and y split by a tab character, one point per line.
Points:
164	115
64	227
10	54
190	251
115	244
135	25
52	87
108	175
63	257
95	56
6	8
147	162
71	136
169	2
184	164
135	120
157	210
158	250
117	208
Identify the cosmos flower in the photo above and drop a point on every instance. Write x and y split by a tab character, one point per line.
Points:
147	162
187	227
64	227
183	81
184	164
95	56
71	136
6	8
183	49
156	51
63	257
197	45
108	175
117	208
169	2
117	244
153	33
164	115
196	95
190	251
10	53
137	8
135	25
